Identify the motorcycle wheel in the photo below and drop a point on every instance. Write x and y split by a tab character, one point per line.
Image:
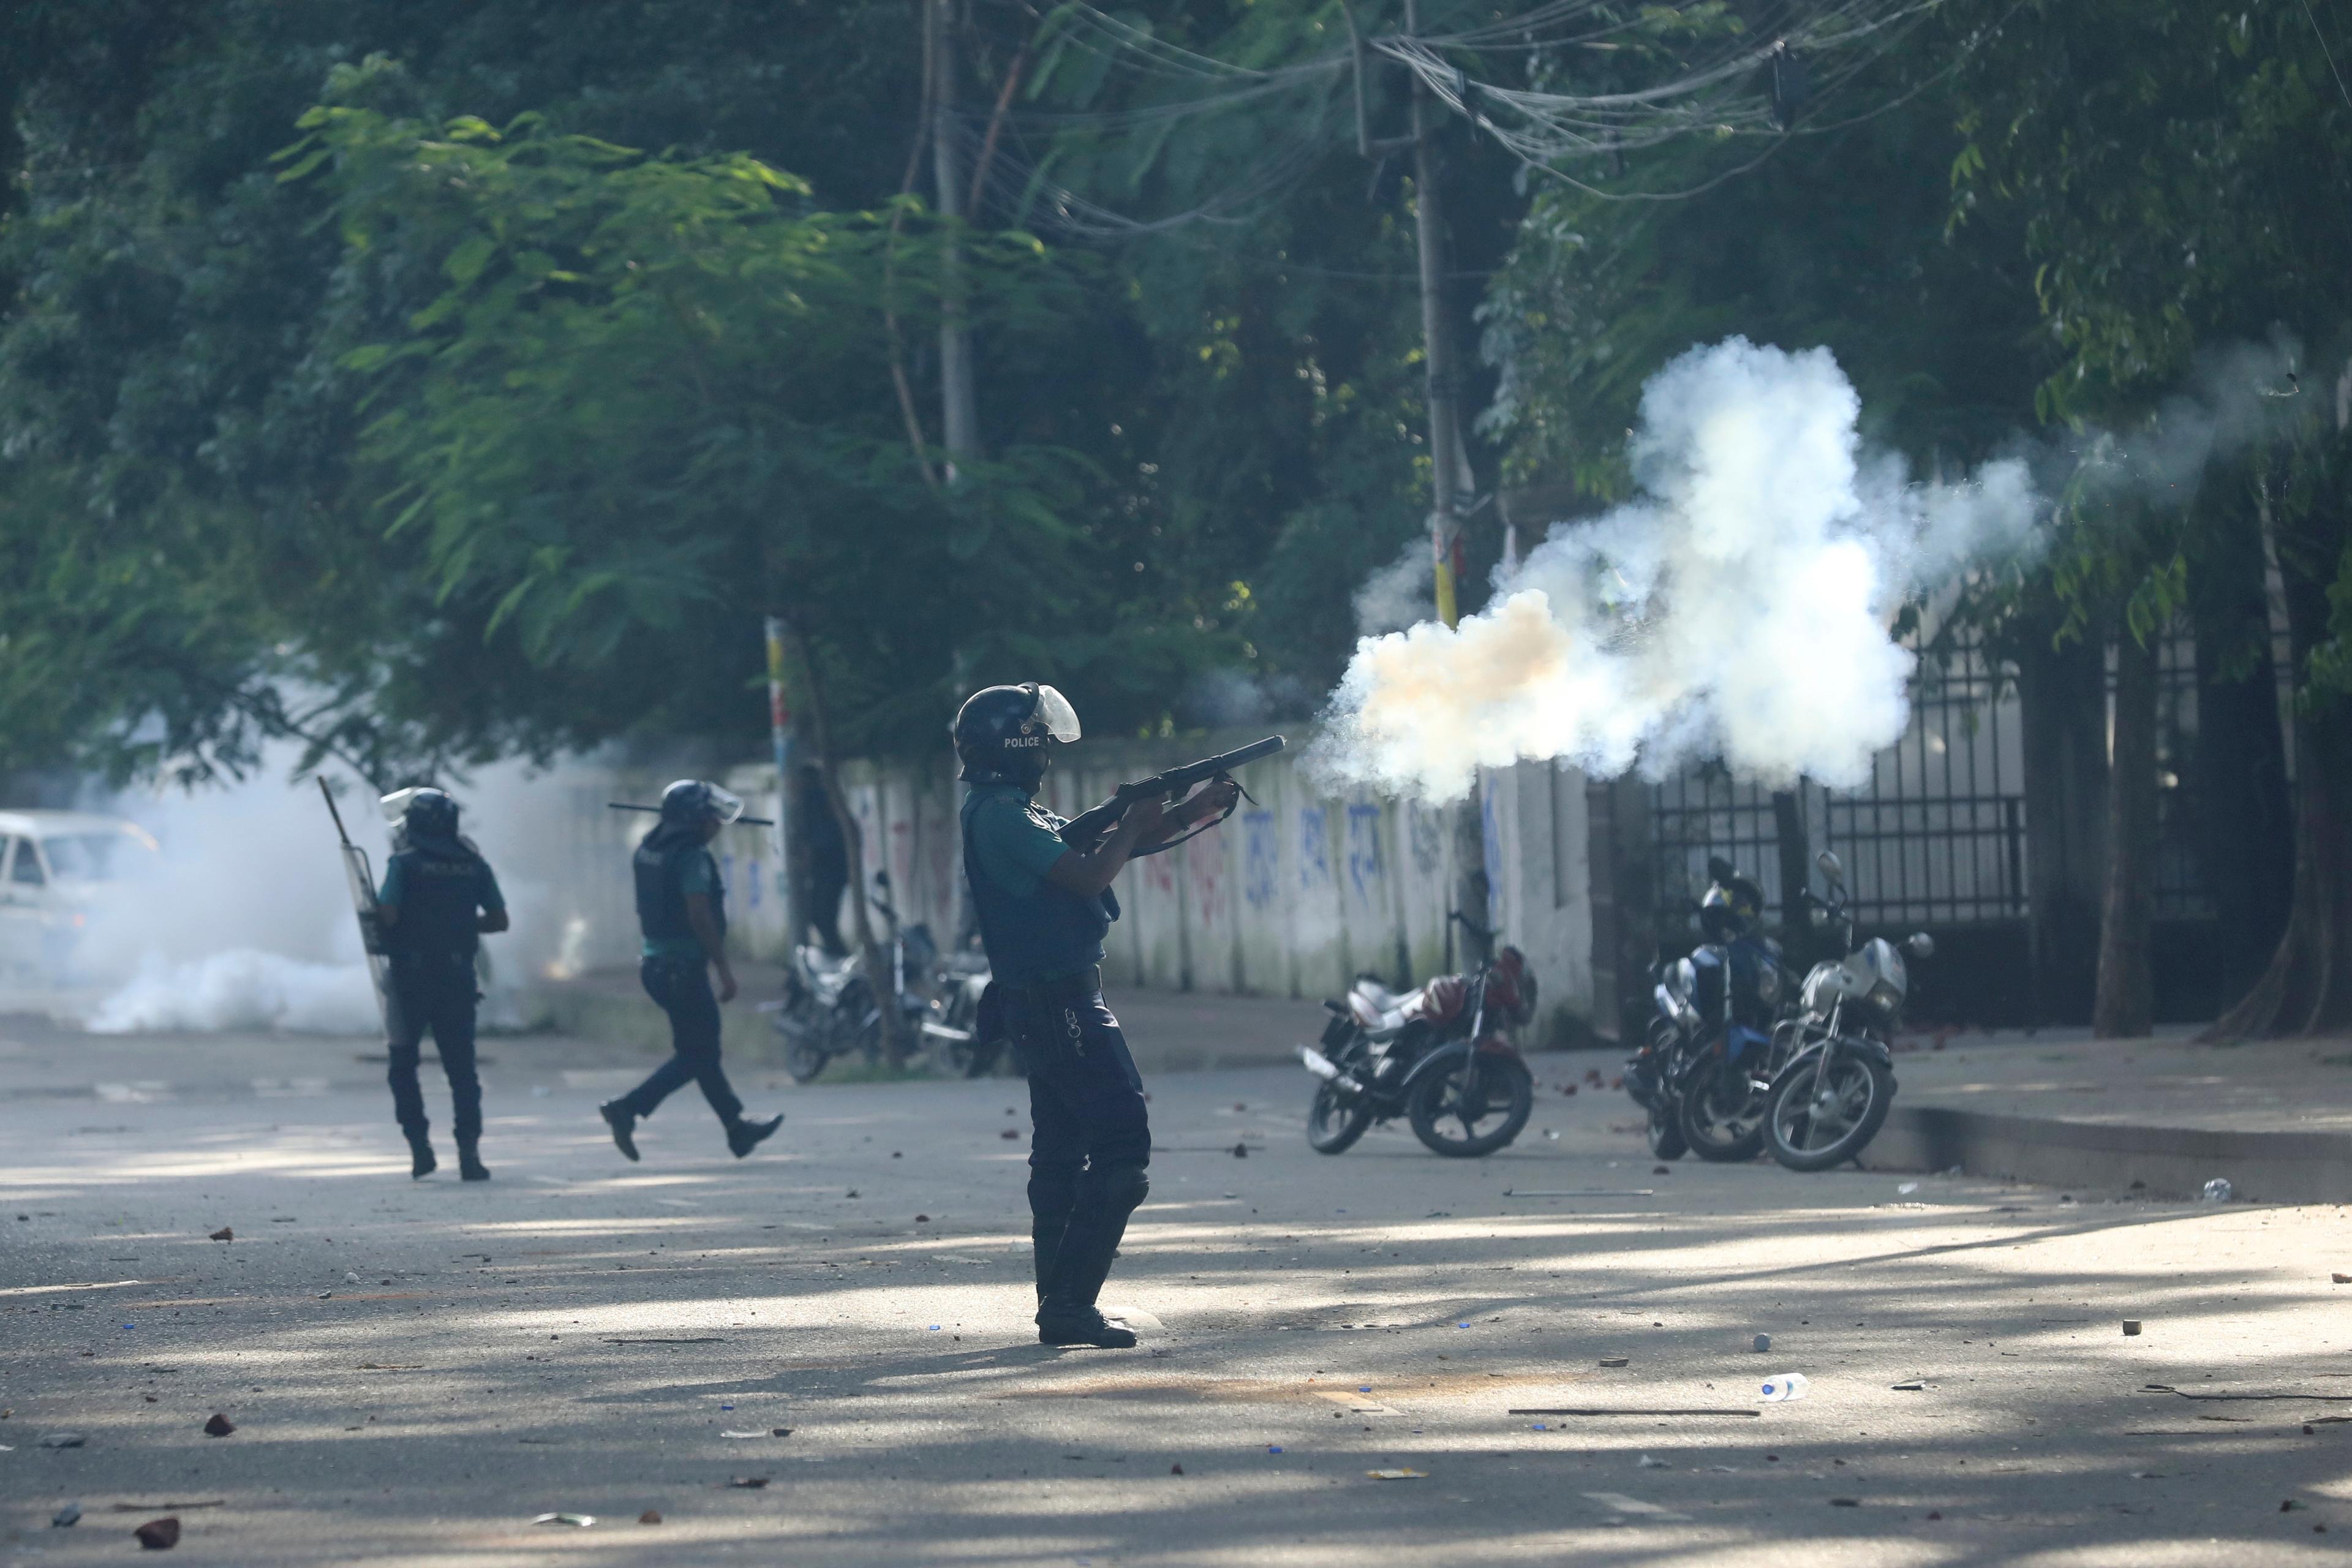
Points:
1496	1086
1332	1125
800	1026
1723	1114
1665	1130
1812	1130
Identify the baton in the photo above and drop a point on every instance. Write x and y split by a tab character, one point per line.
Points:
738	822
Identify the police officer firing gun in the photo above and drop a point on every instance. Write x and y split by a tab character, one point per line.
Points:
1041	888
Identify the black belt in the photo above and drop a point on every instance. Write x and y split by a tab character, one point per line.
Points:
1086	982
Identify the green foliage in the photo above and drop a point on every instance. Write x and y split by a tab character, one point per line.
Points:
2183	173
1837	238
625	411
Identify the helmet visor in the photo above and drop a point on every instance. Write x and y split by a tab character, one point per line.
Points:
1060	718
725	806
395	805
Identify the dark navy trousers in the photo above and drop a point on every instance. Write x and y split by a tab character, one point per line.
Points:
1086	1099
434	991
682	987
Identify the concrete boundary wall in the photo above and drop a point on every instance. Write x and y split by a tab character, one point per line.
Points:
1298	891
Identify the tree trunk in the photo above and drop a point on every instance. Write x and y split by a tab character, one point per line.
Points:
870	952
2061	695
2124	1007
2237	768
2307	988
960	404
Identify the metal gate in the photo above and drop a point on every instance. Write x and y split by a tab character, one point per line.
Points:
1935	838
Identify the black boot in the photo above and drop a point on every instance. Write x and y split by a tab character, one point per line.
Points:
742	1136
421	1162
1053	1193
1067	1315
623	1123
469	1161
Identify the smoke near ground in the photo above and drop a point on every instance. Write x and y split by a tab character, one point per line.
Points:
243	920
1738	608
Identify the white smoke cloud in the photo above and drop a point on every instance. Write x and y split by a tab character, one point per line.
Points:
243	922
241	989
1739	609
1400	595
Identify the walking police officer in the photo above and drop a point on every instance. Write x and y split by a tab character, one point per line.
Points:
682	909
1043	908
438	898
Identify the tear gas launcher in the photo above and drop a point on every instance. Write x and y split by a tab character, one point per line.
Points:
361	877
1082	832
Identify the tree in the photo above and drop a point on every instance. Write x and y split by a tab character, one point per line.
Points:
2181	172
624	412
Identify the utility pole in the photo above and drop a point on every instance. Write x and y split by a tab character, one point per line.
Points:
1449	465
960	409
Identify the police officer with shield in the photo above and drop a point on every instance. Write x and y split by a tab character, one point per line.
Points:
1044	908
438	898
682	909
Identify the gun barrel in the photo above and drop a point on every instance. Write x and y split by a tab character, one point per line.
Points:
1209	767
1250	752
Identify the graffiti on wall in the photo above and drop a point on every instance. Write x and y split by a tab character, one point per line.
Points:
1261	859
1364	852
1314	848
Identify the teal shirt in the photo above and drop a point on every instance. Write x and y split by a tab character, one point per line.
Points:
1014	838
697	873
1035	931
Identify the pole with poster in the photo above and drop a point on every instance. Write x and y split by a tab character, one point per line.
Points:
780	734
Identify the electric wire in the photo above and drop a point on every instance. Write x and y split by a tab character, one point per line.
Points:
1160	90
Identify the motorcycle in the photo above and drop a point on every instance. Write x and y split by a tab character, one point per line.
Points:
953	1029
1441	1056
1825	1103
829	1007
1713	1032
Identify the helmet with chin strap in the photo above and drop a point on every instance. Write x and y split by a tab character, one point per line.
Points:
1002	733
1733	904
694	802
421	812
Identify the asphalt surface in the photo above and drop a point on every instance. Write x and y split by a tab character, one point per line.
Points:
416	1371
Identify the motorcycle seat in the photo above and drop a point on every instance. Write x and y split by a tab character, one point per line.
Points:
820	962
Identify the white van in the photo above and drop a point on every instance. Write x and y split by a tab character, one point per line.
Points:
55	865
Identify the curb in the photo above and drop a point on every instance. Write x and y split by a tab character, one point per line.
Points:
2171	1161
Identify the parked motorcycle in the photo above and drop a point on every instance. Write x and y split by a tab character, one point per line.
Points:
1713	1032
953	1030
1441	1056
830	1008
1828	1100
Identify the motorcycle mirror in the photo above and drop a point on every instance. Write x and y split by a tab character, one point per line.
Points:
1831	867
1919	944
881	879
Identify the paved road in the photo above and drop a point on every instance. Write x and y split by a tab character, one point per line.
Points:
418	1370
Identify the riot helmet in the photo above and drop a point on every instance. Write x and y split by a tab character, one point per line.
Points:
425	814
692	803
1002	733
1733	904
